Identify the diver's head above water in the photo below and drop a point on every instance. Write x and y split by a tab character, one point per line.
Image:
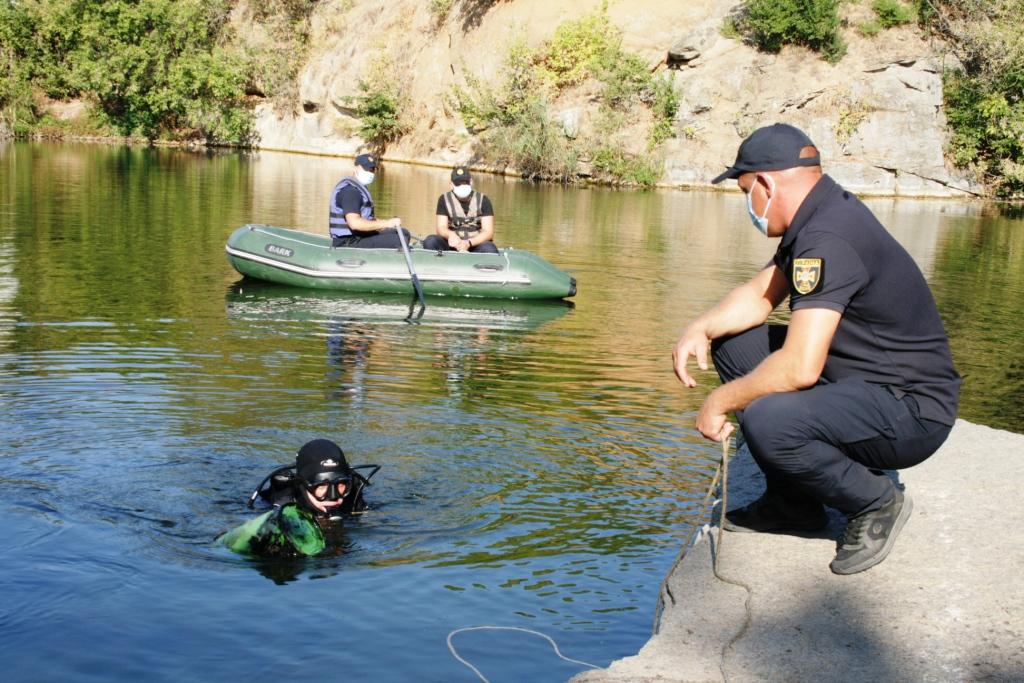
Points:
324	479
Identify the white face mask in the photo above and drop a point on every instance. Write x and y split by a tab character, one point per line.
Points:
364	176
462	191
760	222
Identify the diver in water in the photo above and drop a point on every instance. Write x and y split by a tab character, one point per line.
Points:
321	487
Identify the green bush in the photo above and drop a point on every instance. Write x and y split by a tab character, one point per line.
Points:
439	9
614	165
815	24
483	106
155	68
576	47
512	113
378	115
893	13
533	145
870	28
984	102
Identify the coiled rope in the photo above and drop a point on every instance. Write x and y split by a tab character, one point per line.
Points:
554	645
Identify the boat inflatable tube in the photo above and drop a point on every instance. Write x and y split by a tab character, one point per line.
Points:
302	259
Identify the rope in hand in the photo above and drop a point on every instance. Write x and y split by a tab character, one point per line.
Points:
721	475
483	678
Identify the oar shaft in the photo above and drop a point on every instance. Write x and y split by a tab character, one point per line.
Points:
412	270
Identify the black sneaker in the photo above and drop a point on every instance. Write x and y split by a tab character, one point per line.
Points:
770	514
869	537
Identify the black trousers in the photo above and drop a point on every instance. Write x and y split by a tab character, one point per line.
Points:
381	239
828	443
438	243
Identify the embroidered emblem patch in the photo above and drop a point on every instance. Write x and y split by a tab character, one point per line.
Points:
807	274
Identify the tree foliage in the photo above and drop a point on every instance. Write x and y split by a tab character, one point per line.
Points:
771	24
153	68
985	98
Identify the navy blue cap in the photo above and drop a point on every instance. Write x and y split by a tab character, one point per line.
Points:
771	148
367	161
460	174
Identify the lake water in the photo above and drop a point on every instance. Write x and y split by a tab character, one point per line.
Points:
539	465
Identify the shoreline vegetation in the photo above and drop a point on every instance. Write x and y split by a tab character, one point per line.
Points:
190	73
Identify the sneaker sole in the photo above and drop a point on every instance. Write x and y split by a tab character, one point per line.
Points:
908	507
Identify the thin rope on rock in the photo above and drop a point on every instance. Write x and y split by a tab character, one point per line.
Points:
554	645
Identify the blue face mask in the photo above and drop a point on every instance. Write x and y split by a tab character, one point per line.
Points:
760	222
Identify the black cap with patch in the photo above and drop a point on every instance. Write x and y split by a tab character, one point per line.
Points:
460	174
367	161
321	460
771	148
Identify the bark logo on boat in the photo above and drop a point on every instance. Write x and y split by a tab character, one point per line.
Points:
279	251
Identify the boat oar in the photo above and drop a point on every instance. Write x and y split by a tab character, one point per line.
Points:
415	280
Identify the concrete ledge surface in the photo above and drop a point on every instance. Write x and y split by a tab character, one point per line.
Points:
946	605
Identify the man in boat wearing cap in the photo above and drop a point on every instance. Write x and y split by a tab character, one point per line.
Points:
319	488
860	381
465	218
352	222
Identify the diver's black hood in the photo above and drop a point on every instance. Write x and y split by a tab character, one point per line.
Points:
320	460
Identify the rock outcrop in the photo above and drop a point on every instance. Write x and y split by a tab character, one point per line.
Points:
877	115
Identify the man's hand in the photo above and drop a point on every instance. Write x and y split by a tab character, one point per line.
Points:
463	246
694	342
454	240
711	421
393	223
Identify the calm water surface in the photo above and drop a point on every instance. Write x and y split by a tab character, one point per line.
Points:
540	469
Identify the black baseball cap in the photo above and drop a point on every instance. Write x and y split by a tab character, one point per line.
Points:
460	174
771	148
321	460
367	161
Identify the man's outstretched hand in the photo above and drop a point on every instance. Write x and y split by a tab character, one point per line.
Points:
693	343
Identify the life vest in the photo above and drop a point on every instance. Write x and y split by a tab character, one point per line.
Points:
336	225
463	221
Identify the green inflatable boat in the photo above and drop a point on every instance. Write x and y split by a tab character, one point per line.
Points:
302	259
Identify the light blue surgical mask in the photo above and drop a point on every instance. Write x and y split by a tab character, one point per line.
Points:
760	222
364	176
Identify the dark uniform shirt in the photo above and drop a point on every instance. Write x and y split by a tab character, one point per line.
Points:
836	255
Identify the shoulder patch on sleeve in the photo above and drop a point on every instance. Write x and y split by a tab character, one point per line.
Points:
808	274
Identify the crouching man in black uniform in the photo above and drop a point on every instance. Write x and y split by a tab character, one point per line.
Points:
860	381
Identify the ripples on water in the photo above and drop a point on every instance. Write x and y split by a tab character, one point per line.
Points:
539	463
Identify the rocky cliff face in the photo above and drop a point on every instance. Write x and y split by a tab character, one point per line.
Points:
876	115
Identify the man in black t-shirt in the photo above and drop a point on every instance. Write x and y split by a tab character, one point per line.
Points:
860	381
465	218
